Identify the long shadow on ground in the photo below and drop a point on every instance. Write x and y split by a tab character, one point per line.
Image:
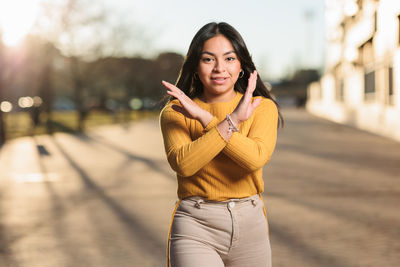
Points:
150	243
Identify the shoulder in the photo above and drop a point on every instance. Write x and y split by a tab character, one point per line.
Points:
168	106
266	106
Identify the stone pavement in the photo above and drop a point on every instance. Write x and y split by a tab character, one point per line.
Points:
105	198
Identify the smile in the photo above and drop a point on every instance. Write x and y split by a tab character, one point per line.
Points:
219	80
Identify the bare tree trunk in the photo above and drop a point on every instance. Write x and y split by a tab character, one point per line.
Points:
78	93
47	94
2	123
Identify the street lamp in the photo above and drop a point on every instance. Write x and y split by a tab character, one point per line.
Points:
25	102
6	106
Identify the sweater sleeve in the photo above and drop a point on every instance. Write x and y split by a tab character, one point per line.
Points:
187	156
253	151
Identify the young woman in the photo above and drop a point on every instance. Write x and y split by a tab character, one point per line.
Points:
219	130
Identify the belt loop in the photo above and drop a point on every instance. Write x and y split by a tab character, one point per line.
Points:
253	201
198	202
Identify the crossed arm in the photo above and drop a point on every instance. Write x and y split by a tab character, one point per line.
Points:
250	151
187	157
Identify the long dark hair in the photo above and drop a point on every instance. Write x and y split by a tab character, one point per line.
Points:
193	87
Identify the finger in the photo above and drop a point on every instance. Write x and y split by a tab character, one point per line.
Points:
175	91
253	81
167	85
174	94
172	87
249	83
251	86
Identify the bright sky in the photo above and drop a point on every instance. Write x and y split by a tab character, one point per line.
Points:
277	33
16	19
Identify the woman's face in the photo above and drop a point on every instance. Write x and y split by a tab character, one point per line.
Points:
218	69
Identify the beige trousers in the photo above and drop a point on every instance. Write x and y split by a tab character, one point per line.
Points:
231	233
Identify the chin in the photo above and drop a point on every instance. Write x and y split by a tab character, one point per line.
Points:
221	89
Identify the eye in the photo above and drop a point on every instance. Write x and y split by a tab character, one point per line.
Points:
230	58
207	59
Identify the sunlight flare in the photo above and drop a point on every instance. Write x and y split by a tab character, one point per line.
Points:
16	19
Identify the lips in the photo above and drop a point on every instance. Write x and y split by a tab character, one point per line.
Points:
219	80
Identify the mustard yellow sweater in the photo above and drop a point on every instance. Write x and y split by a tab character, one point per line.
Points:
206	164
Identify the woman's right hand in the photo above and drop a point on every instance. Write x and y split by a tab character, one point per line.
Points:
189	108
246	106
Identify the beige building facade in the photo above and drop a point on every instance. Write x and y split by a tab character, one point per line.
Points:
361	83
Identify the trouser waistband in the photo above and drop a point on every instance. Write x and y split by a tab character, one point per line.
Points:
201	200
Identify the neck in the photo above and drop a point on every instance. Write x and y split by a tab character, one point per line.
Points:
210	98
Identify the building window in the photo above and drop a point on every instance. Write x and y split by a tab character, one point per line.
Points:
398	27
367	60
340	90
369	82
390	91
339	83
390	80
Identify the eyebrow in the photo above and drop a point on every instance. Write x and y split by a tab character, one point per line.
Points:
212	54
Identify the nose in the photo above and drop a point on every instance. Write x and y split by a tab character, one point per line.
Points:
219	66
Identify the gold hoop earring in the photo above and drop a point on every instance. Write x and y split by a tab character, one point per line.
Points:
241	74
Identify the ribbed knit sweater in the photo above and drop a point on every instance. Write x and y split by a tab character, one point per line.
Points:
208	166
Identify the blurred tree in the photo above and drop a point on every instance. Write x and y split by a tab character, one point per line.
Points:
78	52
78	88
84	30
10	62
77	18
122	79
46	89
294	87
305	76
37	76
74	27
168	65
2	124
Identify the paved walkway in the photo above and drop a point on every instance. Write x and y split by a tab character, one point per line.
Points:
105	198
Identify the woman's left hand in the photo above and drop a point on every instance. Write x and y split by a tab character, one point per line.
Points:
246	105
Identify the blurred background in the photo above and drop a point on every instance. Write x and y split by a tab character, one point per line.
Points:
65	64
83	176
